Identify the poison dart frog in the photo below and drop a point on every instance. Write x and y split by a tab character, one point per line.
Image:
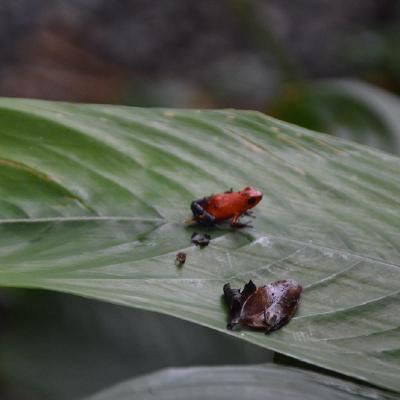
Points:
229	205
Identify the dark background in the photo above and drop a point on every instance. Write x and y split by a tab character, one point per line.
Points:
263	55
227	53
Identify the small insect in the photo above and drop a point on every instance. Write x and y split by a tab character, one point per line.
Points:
266	308
180	259
201	240
229	205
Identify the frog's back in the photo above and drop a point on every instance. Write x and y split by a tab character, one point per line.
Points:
226	205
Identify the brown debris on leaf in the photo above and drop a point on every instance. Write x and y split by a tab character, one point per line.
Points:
267	308
201	240
180	259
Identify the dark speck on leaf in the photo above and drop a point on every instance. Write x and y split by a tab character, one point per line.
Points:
201	240
180	259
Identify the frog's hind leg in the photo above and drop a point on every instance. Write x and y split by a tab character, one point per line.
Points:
199	214
197	207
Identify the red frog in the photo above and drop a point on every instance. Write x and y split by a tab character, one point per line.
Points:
229	205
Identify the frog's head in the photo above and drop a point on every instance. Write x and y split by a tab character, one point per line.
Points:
252	195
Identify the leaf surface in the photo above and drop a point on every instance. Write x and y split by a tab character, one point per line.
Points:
93	200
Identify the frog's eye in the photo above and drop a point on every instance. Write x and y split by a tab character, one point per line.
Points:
251	201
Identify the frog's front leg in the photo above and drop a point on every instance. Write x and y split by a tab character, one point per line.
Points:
199	213
236	224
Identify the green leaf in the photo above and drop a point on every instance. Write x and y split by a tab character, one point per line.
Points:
247	383
347	108
93	200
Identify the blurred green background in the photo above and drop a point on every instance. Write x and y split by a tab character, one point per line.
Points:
331	66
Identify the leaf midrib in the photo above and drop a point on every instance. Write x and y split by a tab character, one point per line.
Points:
141	219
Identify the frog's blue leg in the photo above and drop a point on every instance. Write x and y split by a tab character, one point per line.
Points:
199	213
197	207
